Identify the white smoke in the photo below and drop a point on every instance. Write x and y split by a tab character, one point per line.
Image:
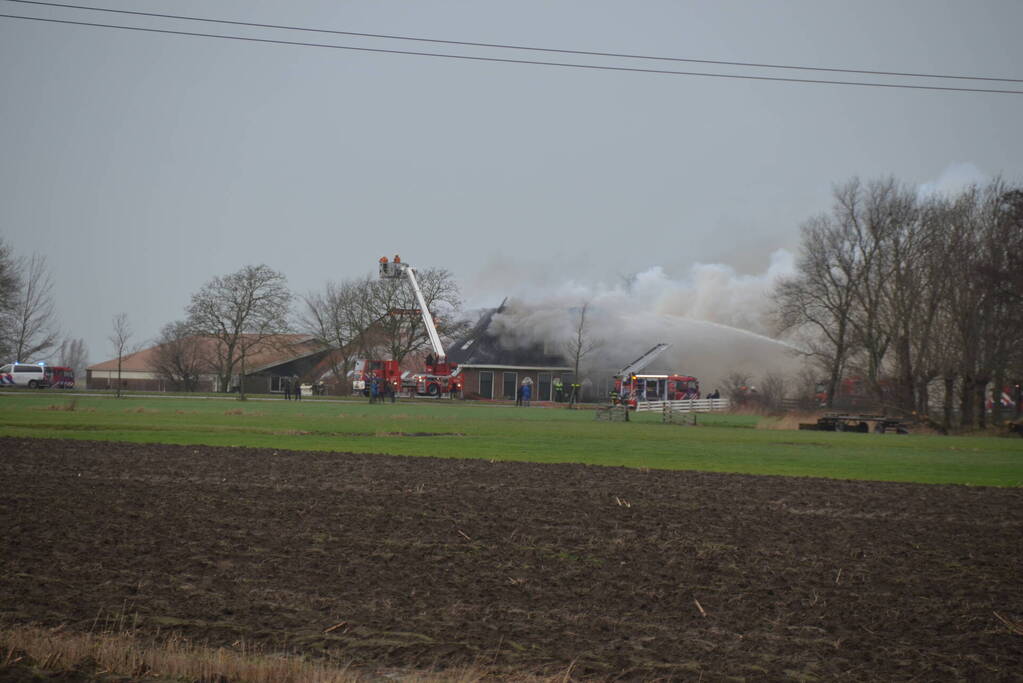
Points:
715	319
955	178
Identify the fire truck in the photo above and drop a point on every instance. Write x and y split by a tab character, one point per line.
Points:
37	376
631	387
60	376
440	378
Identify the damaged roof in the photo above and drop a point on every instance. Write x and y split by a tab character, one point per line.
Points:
481	348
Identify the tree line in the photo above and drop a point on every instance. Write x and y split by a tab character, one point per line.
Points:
920	297
251	308
28	322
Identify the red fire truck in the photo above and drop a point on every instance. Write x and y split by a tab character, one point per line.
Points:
631	387
60	377
440	378
637	388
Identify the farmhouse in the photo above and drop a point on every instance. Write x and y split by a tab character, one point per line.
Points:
492	366
266	366
493	370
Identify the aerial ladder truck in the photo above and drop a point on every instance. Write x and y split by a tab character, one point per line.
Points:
441	377
632	387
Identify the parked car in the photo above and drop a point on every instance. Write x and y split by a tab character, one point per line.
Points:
24	375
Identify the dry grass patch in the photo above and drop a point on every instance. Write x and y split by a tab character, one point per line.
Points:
33	651
788	421
67	407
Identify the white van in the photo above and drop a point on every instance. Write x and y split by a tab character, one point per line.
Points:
24	375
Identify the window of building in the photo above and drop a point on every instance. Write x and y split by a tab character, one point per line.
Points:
511	383
487	383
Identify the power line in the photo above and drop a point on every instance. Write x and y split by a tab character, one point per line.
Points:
594	67
518	47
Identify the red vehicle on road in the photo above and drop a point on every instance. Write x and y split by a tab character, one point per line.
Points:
60	377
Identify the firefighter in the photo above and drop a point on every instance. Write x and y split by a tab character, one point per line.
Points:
559	389
573	394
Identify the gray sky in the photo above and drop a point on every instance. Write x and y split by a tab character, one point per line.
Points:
145	164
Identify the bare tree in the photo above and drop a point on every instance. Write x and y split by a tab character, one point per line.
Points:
10	286
1002	324
180	356
398	322
241	311
903	290
1006	277
119	338
820	297
340	318
772	391
33	332
896	300
923	289
863	216
73	354
579	345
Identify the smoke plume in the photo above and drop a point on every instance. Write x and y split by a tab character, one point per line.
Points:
715	319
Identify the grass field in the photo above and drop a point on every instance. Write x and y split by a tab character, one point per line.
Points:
721	443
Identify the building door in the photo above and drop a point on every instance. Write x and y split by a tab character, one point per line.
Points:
511	382
487	383
543	390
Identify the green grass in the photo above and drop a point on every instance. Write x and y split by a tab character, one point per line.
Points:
721	443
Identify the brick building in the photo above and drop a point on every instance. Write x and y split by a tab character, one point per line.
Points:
492	371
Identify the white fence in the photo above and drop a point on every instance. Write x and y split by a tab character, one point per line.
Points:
702	405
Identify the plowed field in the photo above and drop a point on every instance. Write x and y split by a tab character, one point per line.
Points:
420	562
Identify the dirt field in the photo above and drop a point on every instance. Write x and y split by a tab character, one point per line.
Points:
403	562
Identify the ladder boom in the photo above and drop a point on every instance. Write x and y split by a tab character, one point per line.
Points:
395	269
431	329
644	360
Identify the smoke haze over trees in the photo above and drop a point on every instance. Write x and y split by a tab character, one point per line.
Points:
904	288
917	290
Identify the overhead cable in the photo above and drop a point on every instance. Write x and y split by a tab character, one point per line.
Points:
594	67
518	47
